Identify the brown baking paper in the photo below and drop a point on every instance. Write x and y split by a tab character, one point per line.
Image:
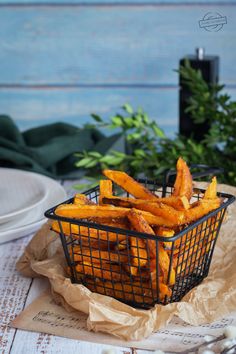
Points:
46	315
214	298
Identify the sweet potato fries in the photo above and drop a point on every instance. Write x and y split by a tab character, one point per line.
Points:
118	252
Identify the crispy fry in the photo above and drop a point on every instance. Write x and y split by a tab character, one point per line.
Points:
166	232
183	184
88	255
100	211
164	262
211	192
139	224
121	223
82	199
178	203
163	210
103	270
80	232
194	245
138	255
129	184
156	208
122	245
105	190
156	220
137	245
201	208
88	211
131	292
125	266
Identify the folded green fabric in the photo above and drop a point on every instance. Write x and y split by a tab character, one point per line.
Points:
50	149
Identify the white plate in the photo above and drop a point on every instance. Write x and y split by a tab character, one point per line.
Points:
32	220
20	191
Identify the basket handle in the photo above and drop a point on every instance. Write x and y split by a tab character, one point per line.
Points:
205	171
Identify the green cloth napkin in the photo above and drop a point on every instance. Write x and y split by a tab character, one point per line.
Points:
50	149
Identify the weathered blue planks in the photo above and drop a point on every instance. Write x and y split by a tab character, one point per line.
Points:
63	59
36	107
124	45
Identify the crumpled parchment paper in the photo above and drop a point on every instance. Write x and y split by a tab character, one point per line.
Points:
214	298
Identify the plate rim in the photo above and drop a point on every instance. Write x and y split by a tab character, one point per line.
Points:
50	196
7	217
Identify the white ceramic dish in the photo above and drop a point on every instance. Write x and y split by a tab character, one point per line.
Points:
20	191
30	221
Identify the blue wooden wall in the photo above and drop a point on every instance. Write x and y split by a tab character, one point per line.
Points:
62	60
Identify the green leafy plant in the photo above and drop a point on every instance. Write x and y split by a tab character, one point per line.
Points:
142	141
149	152
209	103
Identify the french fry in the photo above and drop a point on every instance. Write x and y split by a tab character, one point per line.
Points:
183	184
211	191
88	211
163	210
164	262
80	232
178	203
156	220
81	199
105	190
156	208
201	208
100	211
165	232
89	255
139	224
129	184
103	270
125	266
122	245
121	223
131	292
138	255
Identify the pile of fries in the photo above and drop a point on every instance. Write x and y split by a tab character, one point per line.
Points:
129	249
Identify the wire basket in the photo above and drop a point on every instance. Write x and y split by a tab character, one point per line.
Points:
116	262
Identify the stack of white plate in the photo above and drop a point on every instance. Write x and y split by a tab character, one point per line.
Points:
24	197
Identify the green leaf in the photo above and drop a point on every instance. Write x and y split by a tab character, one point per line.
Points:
107	159
83	162
133	136
92	163
139	153
116	161
129	122
145	118
118	153
135	163
158	131
127	107
117	121
95	154
96	118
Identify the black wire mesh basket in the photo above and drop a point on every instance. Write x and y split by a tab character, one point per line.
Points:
116	262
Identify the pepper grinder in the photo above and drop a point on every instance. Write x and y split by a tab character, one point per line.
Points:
209	67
